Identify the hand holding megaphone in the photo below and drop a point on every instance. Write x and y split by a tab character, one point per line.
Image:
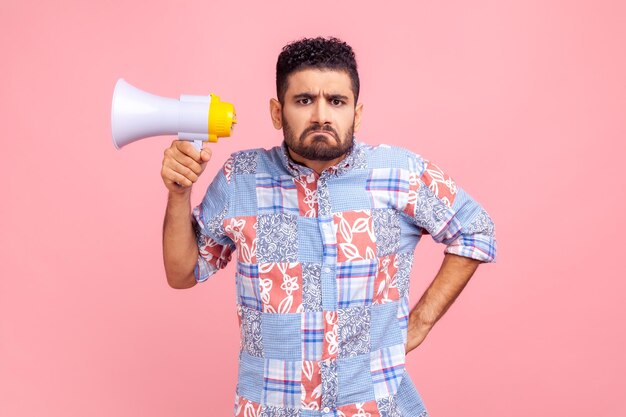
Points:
182	165
136	115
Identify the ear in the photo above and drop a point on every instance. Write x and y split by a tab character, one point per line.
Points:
358	111
276	113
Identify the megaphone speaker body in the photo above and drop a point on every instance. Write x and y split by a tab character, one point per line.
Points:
136	114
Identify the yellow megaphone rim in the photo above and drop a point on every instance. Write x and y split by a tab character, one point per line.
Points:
222	117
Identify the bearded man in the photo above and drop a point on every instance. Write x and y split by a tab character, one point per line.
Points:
324	227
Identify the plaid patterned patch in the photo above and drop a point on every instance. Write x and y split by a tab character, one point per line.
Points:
282	383
389	187
276	194
312	335
248	291
355	281
387	367
479	247
329	247
403	316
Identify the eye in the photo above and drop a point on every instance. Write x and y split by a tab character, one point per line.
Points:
304	101
336	102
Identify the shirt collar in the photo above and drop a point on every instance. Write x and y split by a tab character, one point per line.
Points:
354	159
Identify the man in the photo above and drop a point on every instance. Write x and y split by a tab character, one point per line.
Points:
324	228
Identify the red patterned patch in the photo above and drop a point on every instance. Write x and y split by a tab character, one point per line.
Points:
331	342
242	230
214	253
228	169
366	409
281	287
311	385
306	185
414	185
440	183
355	235
247	408
385	288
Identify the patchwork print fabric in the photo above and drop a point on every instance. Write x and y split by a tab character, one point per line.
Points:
276	194
281	383
311	385
281	287
323	273
387	368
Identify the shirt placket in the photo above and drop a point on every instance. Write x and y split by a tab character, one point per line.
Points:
328	366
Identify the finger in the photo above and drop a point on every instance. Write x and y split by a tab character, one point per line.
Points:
181	158
174	177
187	148
181	169
206	154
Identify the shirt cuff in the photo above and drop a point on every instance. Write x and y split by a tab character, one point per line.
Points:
477	246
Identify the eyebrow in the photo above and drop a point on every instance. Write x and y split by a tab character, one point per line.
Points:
327	96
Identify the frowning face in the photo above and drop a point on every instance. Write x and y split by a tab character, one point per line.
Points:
318	115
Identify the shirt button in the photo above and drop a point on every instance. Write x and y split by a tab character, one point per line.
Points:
326	410
327	269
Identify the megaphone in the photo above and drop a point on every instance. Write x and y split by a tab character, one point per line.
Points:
136	115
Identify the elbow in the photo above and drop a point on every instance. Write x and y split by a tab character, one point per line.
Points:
181	282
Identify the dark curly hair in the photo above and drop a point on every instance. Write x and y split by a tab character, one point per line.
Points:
319	53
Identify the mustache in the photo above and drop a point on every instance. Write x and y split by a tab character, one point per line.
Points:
317	127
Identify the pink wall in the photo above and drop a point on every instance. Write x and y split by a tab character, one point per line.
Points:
523	102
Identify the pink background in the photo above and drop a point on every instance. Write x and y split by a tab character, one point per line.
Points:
522	102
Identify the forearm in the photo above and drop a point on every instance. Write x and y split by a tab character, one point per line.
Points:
453	276
180	250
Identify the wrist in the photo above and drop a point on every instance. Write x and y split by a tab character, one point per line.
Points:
183	195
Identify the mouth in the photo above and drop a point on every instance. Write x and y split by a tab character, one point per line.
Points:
322	133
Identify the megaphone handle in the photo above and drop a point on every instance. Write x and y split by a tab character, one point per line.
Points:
198	144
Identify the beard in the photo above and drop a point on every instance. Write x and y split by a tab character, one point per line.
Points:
322	147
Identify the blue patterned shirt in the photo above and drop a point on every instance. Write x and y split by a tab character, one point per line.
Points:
322	274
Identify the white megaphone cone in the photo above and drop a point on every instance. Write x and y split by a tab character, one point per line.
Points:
136	114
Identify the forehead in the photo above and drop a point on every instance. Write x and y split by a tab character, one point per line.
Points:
319	81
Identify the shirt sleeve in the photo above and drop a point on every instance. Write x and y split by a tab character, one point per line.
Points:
445	211
214	247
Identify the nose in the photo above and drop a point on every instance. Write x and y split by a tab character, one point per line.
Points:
321	113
